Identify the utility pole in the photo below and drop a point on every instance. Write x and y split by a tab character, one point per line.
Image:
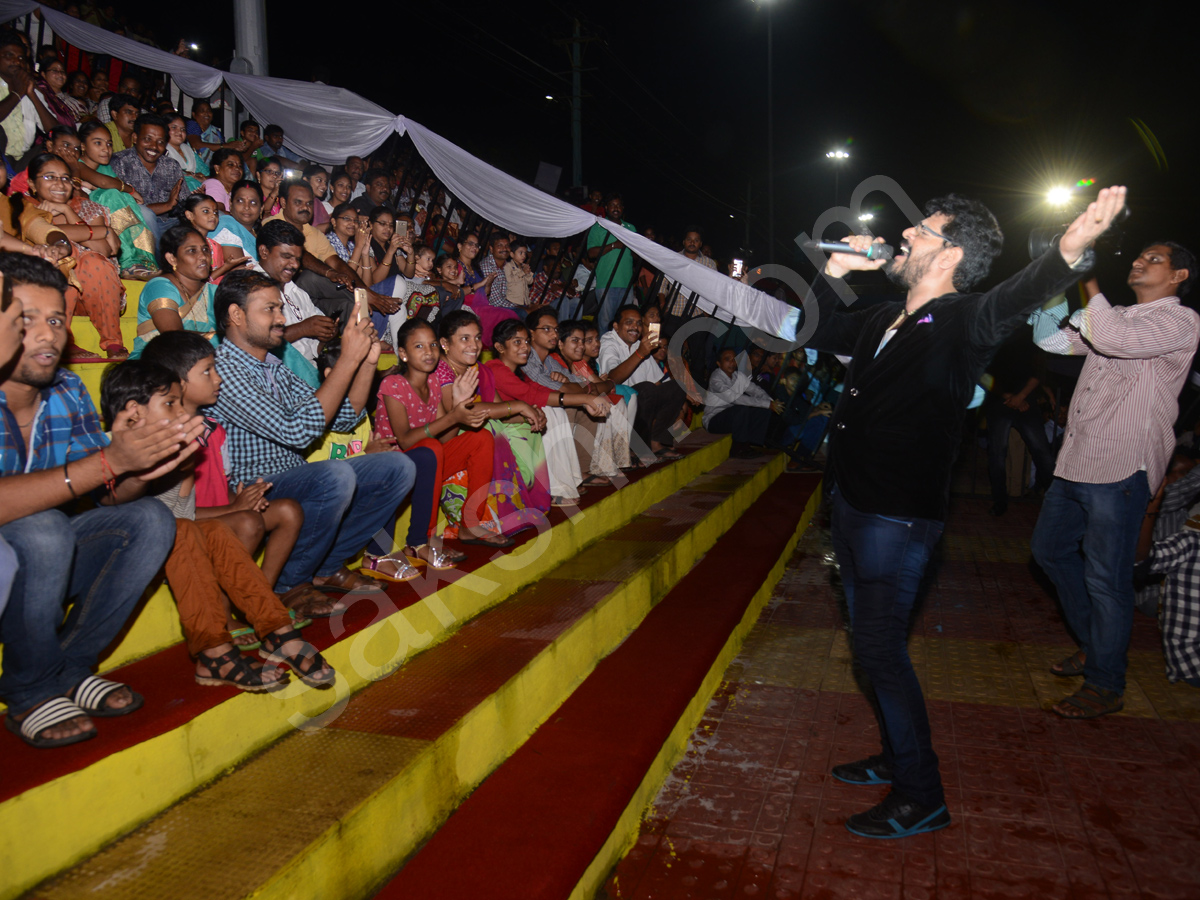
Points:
770	149
574	47
250	34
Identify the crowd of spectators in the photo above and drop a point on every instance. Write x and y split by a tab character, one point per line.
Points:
251	413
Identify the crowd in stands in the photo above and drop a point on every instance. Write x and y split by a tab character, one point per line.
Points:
251	413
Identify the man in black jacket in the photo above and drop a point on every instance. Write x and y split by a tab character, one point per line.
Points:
893	441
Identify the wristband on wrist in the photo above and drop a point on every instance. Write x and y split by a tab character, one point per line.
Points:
428	433
67	479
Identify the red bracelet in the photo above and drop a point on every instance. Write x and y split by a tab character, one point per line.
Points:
90	232
110	482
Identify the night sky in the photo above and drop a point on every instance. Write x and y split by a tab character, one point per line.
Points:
998	101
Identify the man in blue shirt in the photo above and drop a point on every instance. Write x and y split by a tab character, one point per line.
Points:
53	452
272	416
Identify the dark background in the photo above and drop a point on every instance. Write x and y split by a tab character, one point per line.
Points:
998	101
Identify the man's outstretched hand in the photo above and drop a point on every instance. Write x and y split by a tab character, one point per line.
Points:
1091	223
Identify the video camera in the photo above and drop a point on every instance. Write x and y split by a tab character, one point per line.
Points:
1042	239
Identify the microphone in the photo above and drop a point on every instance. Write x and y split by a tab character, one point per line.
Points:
874	251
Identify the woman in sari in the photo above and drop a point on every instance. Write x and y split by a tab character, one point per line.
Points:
83	242
136	255
204	137
195	169
226	172
236	229
50	83
518	496
74	97
182	298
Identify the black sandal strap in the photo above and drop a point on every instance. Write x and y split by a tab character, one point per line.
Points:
242	672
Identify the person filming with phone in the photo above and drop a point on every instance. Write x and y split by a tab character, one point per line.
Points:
894	437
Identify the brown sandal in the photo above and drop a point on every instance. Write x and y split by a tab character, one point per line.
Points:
1090	702
346	582
1071	666
309	603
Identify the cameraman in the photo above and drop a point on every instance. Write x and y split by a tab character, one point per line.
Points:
1115	452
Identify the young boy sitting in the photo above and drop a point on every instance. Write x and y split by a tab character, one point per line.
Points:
247	510
208	558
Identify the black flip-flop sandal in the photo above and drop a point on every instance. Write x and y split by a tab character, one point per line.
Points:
316	663
242	675
90	694
596	481
53	712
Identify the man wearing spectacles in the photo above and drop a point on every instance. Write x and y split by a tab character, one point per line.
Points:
894	437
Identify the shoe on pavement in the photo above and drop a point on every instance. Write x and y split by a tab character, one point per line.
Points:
872	770
898	817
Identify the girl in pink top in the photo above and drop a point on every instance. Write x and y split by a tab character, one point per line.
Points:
412	411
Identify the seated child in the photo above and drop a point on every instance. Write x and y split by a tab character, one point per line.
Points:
203	213
411	413
246	510
208	558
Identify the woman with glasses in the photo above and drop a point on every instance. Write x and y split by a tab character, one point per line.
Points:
351	243
84	241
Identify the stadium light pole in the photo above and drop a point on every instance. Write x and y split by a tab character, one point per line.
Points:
838	157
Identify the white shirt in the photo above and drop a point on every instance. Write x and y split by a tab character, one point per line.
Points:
614	351
725	392
298	306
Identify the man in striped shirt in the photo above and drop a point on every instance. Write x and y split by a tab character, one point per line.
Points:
1115	452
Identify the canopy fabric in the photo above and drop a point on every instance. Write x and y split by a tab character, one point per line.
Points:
328	124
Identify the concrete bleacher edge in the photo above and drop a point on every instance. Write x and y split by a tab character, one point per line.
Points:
37	840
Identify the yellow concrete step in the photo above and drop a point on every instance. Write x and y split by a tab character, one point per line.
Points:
332	813
59	822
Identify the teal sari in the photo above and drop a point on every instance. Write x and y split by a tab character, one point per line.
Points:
137	242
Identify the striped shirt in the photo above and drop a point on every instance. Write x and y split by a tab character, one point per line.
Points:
1124	407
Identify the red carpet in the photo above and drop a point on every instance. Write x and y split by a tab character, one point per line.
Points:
533	827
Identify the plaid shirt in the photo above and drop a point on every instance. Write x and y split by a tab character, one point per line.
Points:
498	294
154	186
65	428
1178	557
539	370
270	414
684	296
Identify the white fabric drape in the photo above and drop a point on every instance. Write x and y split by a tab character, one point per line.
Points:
518	206
328	124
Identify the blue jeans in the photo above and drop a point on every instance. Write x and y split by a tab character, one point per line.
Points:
610	301
1085	540
346	502
8	571
102	561
882	561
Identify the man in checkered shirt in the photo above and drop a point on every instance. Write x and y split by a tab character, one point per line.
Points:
1177	556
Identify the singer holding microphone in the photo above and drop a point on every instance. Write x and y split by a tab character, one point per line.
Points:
893	440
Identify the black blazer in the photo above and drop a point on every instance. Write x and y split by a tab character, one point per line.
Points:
896	430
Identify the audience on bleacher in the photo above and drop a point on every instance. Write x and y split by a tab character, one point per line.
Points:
246	418
57	454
